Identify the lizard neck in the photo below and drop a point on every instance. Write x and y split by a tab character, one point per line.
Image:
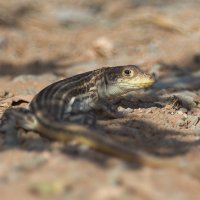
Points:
106	90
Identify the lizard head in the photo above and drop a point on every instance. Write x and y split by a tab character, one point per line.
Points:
123	79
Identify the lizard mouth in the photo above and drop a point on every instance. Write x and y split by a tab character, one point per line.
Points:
139	85
146	84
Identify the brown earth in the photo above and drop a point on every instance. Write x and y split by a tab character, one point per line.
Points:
45	41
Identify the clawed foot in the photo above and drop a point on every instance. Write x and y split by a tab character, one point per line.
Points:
82	118
111	110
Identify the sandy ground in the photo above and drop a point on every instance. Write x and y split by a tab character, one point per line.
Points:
44	41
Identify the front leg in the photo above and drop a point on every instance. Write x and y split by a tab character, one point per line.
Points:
109	109
88	118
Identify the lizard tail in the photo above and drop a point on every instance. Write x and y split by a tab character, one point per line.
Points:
93	139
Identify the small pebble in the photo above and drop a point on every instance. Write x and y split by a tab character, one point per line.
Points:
194	122
125	110
180	112
149	111
195	111
6	94
183	110
102	47
181	122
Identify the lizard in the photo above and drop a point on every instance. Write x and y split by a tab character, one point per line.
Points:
52	110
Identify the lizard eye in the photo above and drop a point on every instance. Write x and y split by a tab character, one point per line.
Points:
128	73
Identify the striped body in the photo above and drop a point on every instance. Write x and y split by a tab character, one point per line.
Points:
69	96
82	93
87	91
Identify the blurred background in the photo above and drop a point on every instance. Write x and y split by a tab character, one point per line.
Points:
40	36
45	41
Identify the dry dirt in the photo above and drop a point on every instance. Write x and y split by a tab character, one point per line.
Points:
45	41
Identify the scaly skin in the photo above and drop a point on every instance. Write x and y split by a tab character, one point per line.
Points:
53	111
